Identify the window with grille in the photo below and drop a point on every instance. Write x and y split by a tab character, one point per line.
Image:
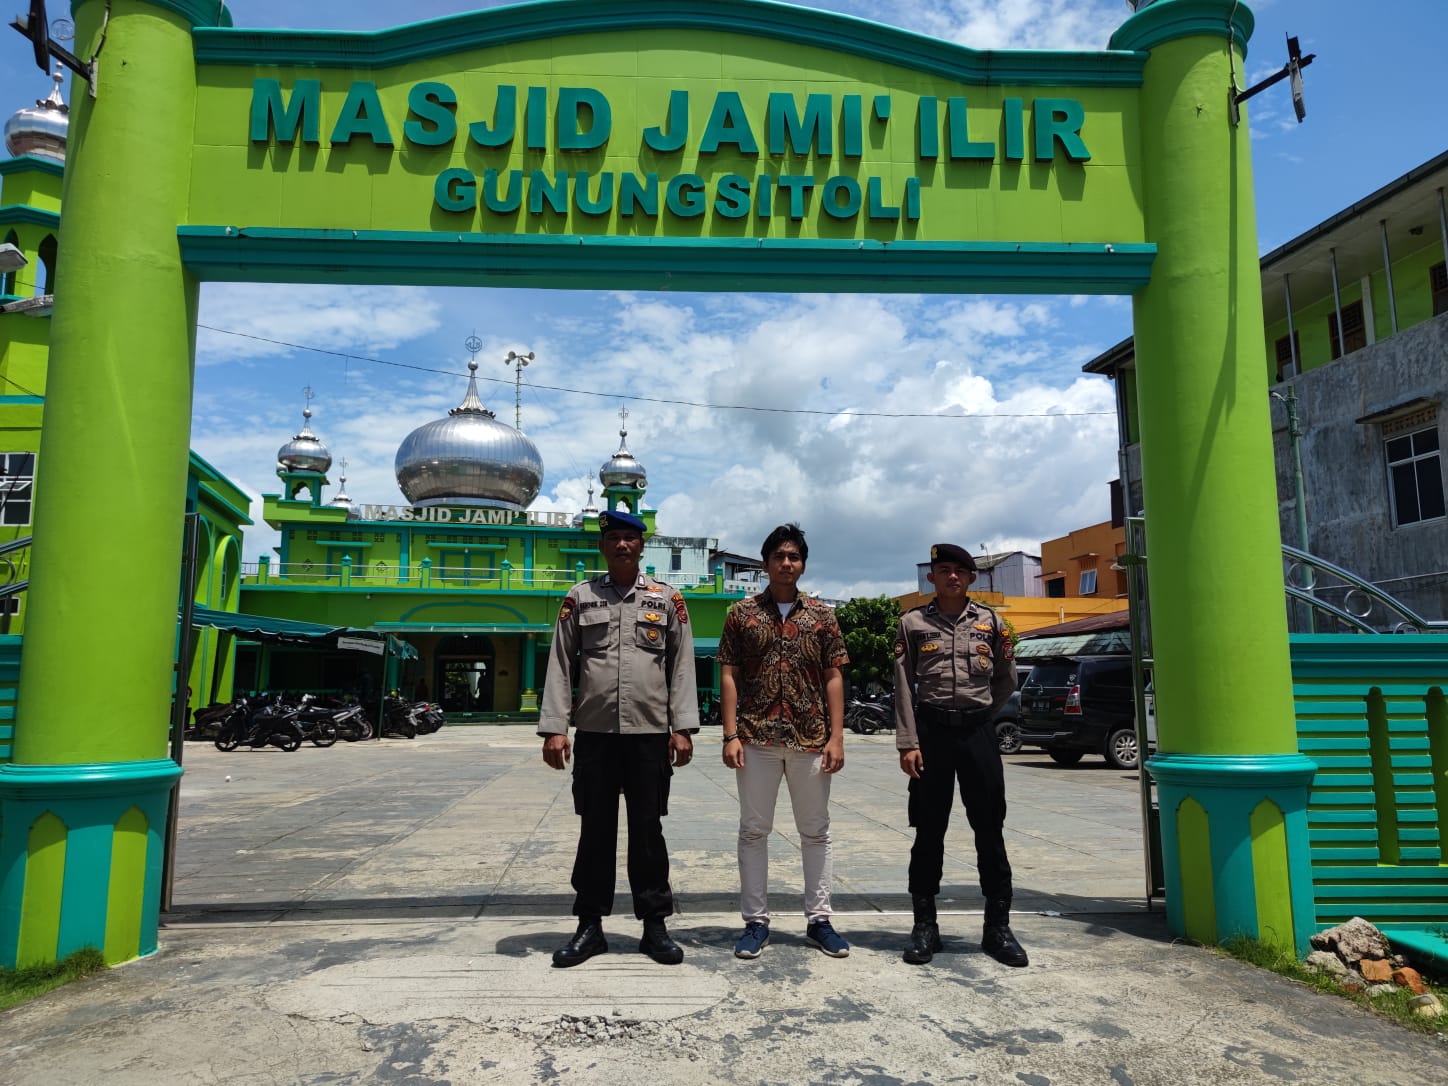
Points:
1415	476
1287	350
1438	283
17	484
1354	332
676	560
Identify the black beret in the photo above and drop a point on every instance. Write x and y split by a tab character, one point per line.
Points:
949	552
618	521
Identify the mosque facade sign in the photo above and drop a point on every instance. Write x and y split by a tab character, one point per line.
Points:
572	120
443	514
605	123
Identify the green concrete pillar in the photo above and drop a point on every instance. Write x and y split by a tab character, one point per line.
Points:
83	805
1233	788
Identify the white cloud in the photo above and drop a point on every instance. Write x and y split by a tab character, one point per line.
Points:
261	320
999	24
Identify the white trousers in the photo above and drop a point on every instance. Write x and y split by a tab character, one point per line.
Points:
809	795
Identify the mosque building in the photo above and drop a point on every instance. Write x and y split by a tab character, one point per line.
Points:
460	574
463	572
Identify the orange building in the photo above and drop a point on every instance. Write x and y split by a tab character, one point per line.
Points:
1027	613
1084	563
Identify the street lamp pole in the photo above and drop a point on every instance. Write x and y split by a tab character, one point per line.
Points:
1299	490
1294	433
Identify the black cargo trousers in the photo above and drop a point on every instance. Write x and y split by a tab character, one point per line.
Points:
970	756
638	766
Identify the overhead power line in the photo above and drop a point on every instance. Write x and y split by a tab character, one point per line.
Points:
850	412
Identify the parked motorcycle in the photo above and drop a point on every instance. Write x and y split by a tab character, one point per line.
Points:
870	716
429	717
207	721
261	722
353	724
316	721
399	717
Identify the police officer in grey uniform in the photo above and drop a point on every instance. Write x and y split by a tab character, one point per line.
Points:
955	656
623	639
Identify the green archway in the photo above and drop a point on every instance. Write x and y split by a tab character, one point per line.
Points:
735	145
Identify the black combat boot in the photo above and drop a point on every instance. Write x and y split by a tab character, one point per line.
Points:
925	935
658	944
998	940
586	942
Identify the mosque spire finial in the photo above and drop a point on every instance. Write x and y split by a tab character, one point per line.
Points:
472	403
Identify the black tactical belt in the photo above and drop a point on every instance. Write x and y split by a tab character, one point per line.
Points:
952	718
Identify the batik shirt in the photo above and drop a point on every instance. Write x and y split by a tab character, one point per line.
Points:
782	664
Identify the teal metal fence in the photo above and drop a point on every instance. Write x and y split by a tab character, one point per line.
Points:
1371	713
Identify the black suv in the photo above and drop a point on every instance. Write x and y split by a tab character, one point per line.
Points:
1079	705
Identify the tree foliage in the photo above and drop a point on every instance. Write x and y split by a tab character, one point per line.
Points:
869	628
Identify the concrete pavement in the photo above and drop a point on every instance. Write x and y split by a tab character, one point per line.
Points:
385	912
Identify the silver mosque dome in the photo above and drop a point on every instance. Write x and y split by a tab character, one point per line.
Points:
41	129
304	452
621	469
469	458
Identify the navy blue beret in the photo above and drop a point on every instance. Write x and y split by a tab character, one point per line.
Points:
619	521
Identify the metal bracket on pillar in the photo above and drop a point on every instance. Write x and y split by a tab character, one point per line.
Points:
36	27
1291	70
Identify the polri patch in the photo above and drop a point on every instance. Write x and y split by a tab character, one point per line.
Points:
982	649
899	648
679	609
930	646
566	610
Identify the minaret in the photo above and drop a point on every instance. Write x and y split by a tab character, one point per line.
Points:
35	138
341	500
623	477
303	461
587	513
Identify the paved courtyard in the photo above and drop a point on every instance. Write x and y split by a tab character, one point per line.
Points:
385	912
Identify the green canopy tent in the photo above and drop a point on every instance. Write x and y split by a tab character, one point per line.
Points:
291	632
288	631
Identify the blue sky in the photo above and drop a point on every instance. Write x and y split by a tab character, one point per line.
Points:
872	492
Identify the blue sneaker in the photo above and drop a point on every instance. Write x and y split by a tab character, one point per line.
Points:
752	943
823	935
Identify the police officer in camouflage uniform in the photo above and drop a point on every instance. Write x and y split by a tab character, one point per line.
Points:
624	640
955	657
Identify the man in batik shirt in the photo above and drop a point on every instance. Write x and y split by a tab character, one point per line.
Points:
783	705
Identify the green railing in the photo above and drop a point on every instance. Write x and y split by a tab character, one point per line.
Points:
1323	597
